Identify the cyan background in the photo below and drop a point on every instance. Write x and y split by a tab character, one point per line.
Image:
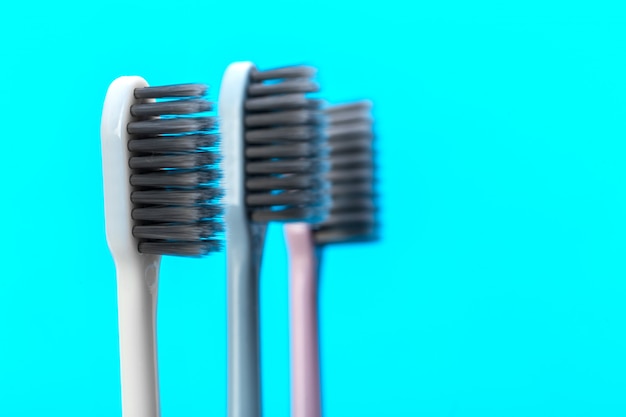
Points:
499	288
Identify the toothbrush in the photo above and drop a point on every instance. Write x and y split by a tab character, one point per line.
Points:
351	219
160	199
273	150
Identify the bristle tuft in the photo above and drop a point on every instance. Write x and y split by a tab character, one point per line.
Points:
353	211
174	160
285	147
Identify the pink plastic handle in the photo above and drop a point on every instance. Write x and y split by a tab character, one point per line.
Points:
305	364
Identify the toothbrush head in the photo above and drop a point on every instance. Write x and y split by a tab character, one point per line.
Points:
167	158
281	128
285	146
353	206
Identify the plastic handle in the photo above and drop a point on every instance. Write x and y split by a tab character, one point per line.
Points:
137	274
137	285
244	370
244	242
303	281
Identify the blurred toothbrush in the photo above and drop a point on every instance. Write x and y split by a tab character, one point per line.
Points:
352	219
274	169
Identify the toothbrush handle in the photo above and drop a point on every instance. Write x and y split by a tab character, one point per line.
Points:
244	362
137	297
305	365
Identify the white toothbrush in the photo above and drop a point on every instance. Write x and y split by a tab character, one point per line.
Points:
158	200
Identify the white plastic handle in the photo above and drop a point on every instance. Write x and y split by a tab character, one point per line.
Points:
137	274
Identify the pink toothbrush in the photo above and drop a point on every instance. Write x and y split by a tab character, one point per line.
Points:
352	219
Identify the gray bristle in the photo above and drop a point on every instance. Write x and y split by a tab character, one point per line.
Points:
293	71
284	87
287	181
353	211
197	160
172	91
285	147
295	150
171	126
173	179
176	197
174	158
277	133
189	143
189	106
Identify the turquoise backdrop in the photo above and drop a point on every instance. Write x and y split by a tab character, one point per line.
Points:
499	288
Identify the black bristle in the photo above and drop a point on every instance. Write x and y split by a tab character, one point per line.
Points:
346	175
287	198
173	149
296	71
171	232
283	118
175	179
178	214
180	247
353	212
277	133
197	160
176	196
172	91
284	87
285	182
171	126
288	150
285	101
170	107
167	144
285	152
280	166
